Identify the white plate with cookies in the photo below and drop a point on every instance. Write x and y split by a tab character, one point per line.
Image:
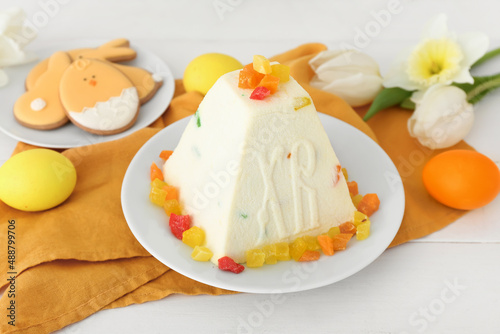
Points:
119	62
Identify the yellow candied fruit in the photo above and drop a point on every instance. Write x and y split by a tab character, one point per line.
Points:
157	196
255	258
193	237
363	230
172	206
282	251
346	175
312	243
157	183
333	231
270	251
301	102
356	199
359	218
281	71
261	64
201	254
297	248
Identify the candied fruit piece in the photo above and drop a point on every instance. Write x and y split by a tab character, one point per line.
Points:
312	243
157	183
228	264
270	82
347	227
261	64
270	251
201	254
165	154
363	230
172	192
346	175
282	251
178	224
260	93
340	241
172	206
155	172
157	196
193	237
255	258
333	231
249	78
310	255
356	199
281	71
359	218
326	244
368	204
301	102
353	188
297	248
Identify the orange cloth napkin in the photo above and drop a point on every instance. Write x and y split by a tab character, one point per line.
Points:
80	257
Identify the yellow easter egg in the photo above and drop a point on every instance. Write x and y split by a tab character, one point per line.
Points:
36	180
203	71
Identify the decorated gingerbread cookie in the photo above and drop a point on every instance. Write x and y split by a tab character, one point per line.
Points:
98	97
146	83
116	50
40	108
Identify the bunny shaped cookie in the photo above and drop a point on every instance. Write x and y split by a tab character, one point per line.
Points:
98	97
40	108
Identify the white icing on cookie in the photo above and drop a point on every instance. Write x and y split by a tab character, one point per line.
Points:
157	77
38	104
113	114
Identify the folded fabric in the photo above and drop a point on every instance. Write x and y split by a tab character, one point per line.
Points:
80	257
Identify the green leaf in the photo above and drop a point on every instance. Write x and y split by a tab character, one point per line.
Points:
408	104
388	97
481	86
487	56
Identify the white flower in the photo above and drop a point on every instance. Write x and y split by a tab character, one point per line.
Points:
442	116
349	74
11	51
441	57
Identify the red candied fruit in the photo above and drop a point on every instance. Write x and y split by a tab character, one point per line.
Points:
260	93
178	224
228	264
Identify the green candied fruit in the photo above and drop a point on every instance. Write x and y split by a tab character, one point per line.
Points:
198	119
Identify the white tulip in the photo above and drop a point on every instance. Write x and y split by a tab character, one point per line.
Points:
442	116
349	74
11	51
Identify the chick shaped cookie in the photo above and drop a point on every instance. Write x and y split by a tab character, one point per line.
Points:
98	98
40	108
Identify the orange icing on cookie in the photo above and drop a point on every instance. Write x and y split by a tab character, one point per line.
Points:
40	107
88	81
143	81
115	50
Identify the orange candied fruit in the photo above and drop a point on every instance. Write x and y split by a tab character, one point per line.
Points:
347	227
270	82
309	255
172	192
155	172
369	204
249	78
326	244
340	241
165	154
353	188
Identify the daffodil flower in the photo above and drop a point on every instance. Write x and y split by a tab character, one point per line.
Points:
11	52
349	74
442	116
441	57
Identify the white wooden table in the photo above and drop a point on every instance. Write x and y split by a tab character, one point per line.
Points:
444	283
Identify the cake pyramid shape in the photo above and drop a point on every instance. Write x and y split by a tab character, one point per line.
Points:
257	172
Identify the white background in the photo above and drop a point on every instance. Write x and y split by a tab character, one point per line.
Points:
444	283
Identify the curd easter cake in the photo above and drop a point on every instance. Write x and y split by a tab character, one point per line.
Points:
255	173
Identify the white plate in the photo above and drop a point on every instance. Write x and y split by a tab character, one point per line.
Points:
366	162
70	135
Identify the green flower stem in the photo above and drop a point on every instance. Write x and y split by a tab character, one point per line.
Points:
484	86
487	56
